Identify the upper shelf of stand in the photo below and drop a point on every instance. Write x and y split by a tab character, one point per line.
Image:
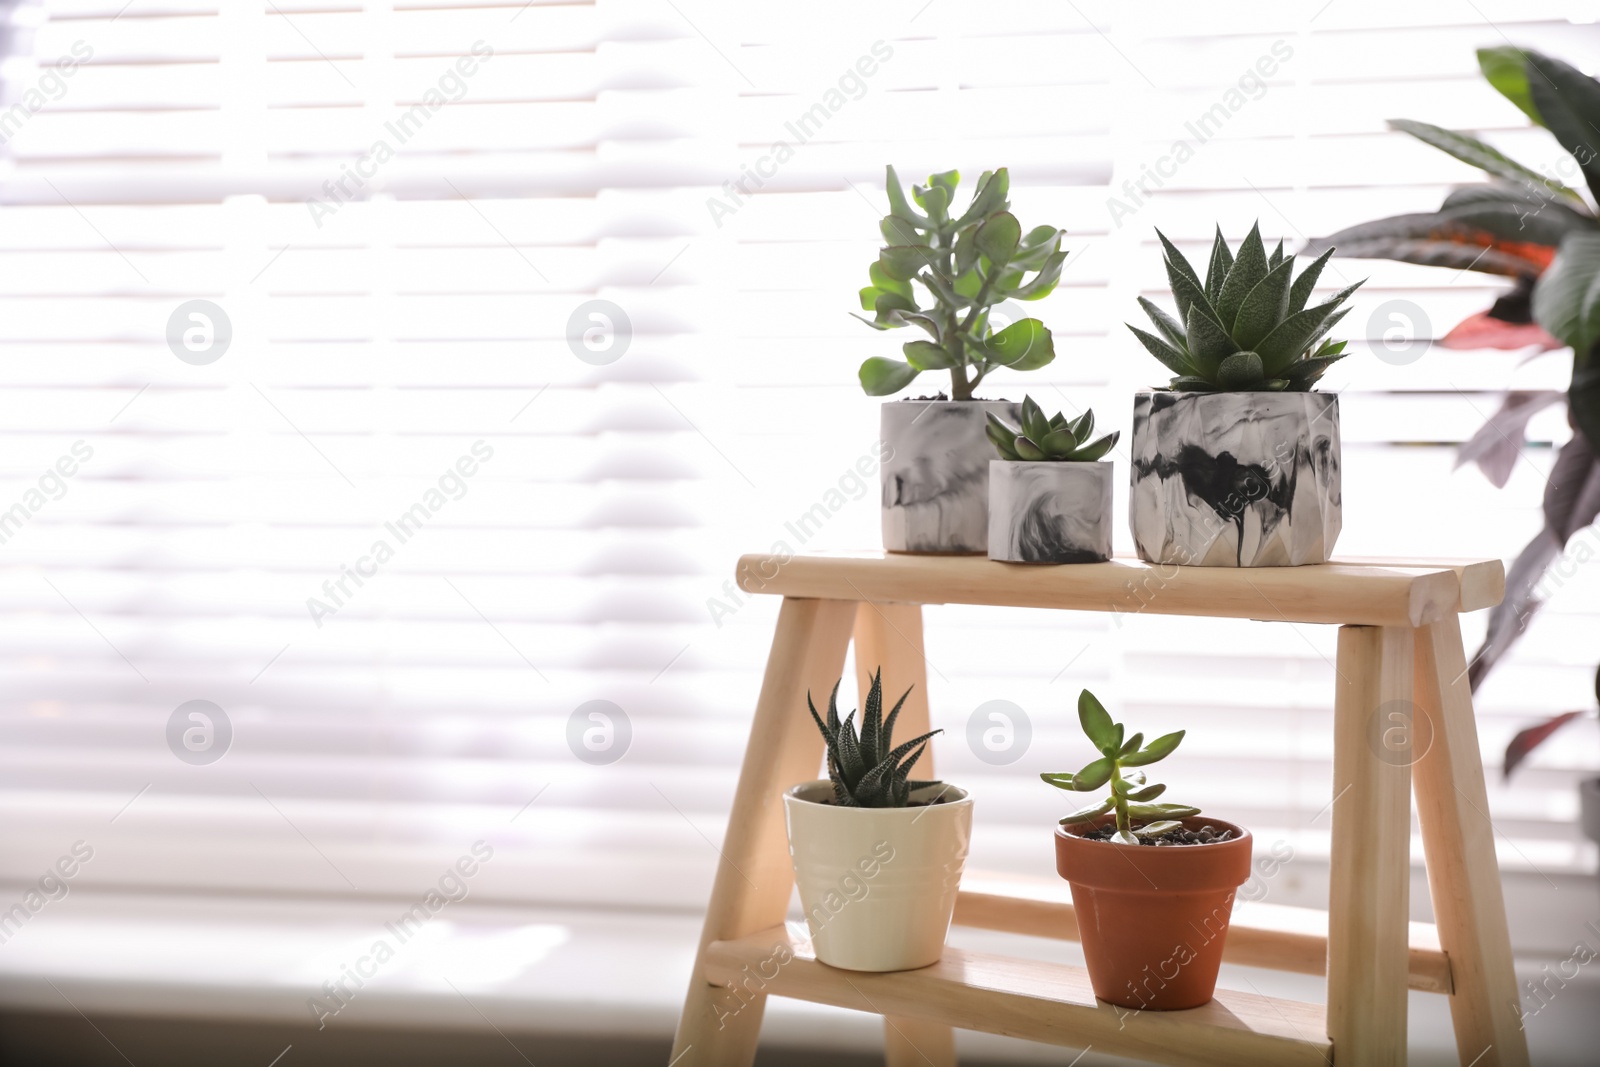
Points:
1357	591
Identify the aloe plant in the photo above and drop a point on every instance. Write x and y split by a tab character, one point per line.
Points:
866	772
1052	438
963	264
1246	328
1131	793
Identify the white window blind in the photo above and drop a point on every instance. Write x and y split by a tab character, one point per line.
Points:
716	172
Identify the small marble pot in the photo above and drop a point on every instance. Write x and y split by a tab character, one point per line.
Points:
935	474
1235	479
1049	512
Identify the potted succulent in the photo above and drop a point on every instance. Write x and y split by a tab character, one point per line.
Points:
877	855
1153	919
944	272
1049	500
1236	462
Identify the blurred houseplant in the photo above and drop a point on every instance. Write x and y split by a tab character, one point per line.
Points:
877	855
1143	910
1236	463
1049	498
1543	236
944	272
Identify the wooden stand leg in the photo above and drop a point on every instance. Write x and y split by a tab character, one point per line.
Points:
1463	874
889	636
1369	896
719	1027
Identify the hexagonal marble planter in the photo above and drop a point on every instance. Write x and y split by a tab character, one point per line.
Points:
935	474
1235	479
1049	512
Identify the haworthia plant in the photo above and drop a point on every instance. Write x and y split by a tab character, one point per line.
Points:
1131	795
963	264
1053	438
1246	327
866	772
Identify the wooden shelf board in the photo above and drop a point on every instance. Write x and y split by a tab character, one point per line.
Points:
1367	593
1039	1001
1274	936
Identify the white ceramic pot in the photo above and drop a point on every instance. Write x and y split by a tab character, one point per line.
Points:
1235	479
878	885
1049	512
935	474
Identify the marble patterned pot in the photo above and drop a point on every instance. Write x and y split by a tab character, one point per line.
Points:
1049	512
1235	479
878	885
935	474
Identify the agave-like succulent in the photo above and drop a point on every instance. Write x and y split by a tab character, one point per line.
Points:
1052	438
865	771
1246	328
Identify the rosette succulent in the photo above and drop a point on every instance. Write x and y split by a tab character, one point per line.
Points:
1052	438
1246	327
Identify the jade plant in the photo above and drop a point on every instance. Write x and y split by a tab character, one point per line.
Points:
1053	438
1246	327
865	771
1131	794
963	264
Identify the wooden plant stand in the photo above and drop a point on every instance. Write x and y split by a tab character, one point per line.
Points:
1399	640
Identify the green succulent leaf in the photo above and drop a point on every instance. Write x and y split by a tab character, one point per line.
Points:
935	200
1097	724
1058	444
1174	360
1159	749
1156	829
925	355
1082	426
1169	327
902	262
1063	780
1034	423
1030	451
1240	371
1300	291
1131	744
1217	271
1149	792
1024	345
1264	306
1043	283
898	207
885	377
1086	814
999	237
1094	775
1097	449
1209	343
1161	811
1249	268
990	197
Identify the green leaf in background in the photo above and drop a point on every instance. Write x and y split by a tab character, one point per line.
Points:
1568	100
1506	68
882	377
1566	302
1469	149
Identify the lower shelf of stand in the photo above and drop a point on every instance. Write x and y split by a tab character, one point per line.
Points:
1047	1002
1274	936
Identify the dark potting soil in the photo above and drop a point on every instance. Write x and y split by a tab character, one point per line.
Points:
1206	835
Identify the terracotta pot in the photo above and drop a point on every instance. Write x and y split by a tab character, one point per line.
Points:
878	885
1154	919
